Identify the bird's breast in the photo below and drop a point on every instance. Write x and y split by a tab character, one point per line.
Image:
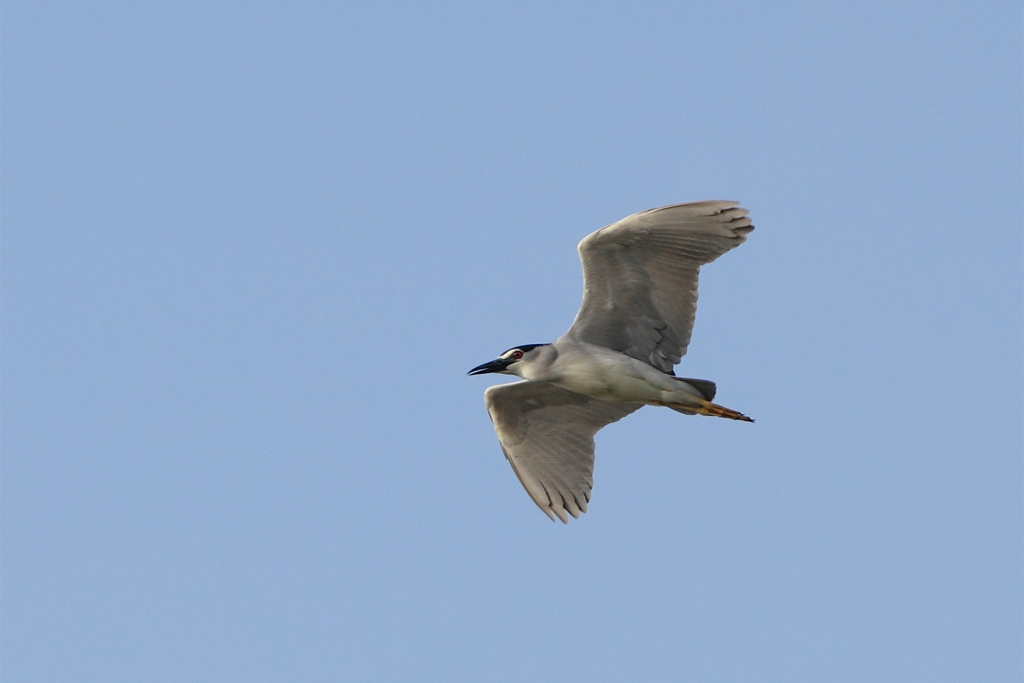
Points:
607	375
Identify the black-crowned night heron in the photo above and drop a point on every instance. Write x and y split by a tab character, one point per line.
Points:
639	300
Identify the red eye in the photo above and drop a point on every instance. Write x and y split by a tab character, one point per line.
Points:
517	354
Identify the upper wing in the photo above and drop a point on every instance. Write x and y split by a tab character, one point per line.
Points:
640	277
547	434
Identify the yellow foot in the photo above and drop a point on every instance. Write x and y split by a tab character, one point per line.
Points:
709	408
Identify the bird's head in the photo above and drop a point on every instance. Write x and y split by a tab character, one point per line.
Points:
512	361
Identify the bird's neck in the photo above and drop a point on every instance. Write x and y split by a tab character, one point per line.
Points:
541	366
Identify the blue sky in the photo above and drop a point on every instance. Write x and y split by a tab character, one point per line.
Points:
250	251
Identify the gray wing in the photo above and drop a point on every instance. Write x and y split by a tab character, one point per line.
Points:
640	277
547	434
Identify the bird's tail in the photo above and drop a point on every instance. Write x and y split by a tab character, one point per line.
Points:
707	408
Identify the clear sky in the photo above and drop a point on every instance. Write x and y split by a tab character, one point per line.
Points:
250	251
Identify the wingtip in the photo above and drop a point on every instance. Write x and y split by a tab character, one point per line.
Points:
717	206
563	513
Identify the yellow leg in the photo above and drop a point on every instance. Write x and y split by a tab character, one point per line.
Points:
709	408
701	407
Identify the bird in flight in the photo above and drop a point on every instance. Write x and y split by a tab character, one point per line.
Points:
633	327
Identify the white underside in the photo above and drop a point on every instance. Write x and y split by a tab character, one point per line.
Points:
602	373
